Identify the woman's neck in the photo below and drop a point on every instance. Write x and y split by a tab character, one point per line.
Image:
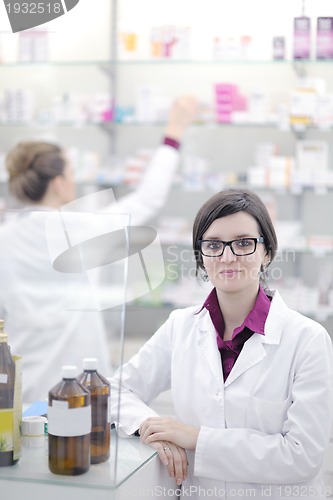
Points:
235	307
46	202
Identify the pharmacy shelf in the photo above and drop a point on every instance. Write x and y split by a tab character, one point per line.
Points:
320	312
297	190
110	126
74	125
236	125
165	61
170	61
135	123
78	125
100	182
51	64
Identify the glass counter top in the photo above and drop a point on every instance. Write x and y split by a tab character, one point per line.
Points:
132	455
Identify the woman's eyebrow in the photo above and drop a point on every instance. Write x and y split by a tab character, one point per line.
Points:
245	235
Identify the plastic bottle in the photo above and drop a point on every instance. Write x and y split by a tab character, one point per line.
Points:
99	388
33	431
10	403
69	425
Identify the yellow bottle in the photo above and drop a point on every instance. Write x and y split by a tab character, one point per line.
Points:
99	388
10	403
69	425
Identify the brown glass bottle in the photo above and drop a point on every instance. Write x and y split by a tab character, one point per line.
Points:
99	388
69	425
7	384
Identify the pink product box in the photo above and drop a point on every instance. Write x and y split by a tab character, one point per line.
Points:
225	106
228	100
302	38
240	103
226	93
223	116
324	46
222	109
226	88
223	98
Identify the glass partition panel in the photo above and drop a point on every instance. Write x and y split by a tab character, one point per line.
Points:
66	277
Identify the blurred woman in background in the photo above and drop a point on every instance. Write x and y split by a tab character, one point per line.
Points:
33	296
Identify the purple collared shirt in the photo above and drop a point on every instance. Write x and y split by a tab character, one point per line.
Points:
253	323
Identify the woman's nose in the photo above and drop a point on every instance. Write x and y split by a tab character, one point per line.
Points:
228	255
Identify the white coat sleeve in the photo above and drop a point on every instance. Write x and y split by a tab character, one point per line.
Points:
153	190
139	381
295	454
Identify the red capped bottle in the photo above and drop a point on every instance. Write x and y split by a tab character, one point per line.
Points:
99	388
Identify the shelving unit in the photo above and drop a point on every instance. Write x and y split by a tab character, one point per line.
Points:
230	148
303	271
227	148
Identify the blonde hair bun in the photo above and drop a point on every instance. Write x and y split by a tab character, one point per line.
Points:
31	165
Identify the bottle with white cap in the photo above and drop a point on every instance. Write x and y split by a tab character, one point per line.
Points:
69	425
99	388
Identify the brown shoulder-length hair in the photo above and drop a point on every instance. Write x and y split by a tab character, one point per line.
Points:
31	165
228	202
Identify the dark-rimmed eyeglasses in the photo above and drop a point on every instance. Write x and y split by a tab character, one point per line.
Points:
240	247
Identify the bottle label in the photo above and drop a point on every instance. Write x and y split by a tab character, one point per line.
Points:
7	429
17	415
109	409
68	422
10	417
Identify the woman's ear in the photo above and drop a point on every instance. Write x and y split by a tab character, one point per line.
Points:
57	185
55	191
267	260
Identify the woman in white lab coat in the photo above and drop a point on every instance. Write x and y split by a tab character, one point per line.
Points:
251	379
34	298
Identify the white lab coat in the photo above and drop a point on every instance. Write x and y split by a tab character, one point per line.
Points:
34	297
264	431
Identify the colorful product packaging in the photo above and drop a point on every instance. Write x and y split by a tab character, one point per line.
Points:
324	44
302	38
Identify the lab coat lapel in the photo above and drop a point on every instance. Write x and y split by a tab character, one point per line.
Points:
253	351
208	345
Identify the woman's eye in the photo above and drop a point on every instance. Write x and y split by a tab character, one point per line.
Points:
214	245
243	243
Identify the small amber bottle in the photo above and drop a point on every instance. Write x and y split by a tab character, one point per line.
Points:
7	387
99	388
69	425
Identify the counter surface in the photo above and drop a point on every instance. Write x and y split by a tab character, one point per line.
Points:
131	456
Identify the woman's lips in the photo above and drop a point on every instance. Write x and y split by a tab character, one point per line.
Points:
229	272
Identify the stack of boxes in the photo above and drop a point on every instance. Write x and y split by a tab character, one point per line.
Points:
228	100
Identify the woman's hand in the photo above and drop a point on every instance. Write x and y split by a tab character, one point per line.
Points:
174	458
171	430
182	113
